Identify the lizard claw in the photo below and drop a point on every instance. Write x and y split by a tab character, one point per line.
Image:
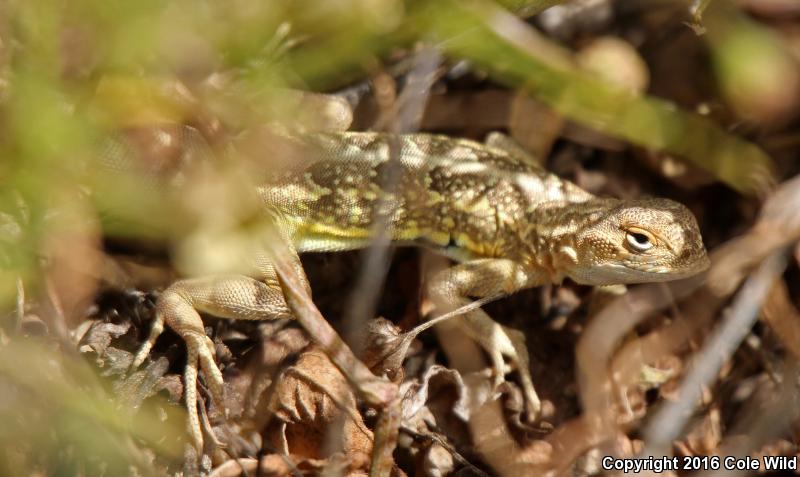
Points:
200	353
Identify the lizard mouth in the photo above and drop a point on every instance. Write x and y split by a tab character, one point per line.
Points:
669	271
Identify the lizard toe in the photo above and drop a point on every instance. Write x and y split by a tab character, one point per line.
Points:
211	372
144	350
200	355
190	394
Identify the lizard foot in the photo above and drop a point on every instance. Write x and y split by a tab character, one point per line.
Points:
175	310
511	343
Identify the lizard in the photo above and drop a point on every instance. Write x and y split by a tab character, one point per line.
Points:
506	222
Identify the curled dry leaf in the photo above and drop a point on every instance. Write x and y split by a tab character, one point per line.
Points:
315	414
99	336
416	394
279	466
279	343
437	461
134	389
386	349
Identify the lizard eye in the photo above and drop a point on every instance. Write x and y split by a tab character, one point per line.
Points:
639	241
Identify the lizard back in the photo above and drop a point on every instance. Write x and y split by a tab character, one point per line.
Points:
459	196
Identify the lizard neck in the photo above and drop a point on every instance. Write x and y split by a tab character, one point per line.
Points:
554	234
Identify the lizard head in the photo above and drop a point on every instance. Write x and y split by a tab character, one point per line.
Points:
645	240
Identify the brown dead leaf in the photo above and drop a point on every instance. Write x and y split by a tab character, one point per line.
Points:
142	384
280	341
416	393
316	415
100	334
436	461
386	348
279	466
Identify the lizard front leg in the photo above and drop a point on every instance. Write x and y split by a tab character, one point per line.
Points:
490	278
231	296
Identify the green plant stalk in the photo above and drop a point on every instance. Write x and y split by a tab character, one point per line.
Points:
479	31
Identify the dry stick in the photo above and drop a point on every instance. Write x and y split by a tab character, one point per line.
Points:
609	327
668	423
377	392
763	423
593	357
697	9
458	311
399	350
364	299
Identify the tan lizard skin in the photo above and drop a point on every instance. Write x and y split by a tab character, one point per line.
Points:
509	224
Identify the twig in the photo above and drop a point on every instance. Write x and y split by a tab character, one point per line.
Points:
377	392
411	104
668	423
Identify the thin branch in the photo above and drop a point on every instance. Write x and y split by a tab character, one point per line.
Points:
668	423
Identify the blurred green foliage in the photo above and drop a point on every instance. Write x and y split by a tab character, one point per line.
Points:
54	55
58	419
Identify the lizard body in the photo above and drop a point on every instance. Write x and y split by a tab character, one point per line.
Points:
468	201
510	224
